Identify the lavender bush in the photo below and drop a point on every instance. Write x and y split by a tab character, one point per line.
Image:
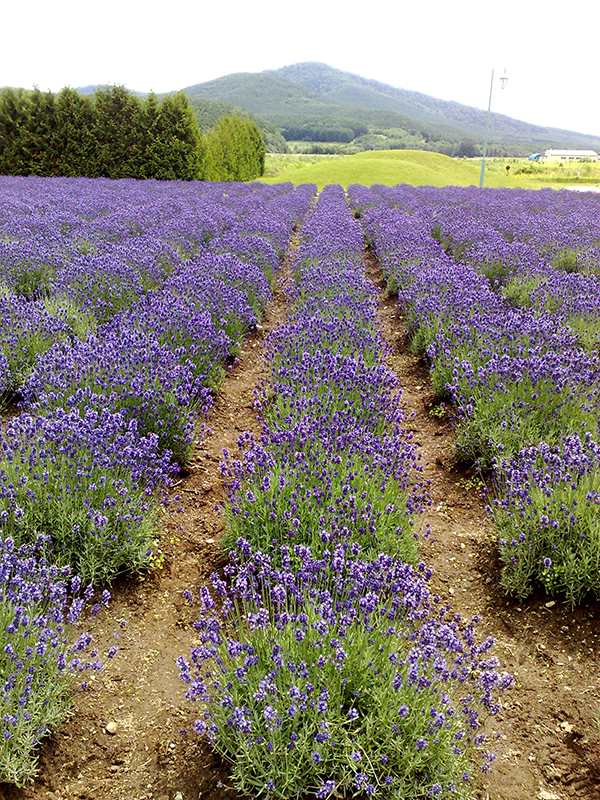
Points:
87	483
233	293
184	329
320	487
129	372
28	268
547	510
335	676
28	329
42	655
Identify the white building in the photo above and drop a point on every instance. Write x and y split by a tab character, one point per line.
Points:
568	155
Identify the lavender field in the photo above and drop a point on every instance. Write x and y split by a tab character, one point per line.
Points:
322	664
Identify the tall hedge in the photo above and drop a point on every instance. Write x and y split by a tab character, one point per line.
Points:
116	134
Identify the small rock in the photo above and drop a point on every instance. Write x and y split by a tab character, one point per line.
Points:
546	795
551	604
178	796
111	727
566	726
210	541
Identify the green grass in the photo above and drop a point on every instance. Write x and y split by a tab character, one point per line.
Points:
278	163
422	168
389	167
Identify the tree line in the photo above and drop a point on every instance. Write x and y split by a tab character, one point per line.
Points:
116	134
323	130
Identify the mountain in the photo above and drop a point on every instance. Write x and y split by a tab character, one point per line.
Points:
312	101
93	88
264	93
347	87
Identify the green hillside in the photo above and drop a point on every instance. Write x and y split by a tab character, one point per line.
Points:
265	94
417	168
389	167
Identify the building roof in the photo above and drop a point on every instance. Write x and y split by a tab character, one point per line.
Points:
571	153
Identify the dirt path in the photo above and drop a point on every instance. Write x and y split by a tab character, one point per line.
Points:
550	748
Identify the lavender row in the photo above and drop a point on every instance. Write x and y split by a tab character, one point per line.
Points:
325	665
96	248
115	331
331	410
145	375
539	249
518	376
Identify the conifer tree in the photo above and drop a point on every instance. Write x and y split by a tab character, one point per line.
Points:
181	144
236	150
38	134
119	133
75	135
12	121
152	137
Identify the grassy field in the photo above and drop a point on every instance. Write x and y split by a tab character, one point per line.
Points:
419	168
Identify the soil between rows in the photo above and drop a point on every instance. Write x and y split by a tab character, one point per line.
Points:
550	746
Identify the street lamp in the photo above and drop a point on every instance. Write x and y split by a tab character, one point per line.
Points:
503	82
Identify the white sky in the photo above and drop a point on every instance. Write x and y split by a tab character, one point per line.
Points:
445	49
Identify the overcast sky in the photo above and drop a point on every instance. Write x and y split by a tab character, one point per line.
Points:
445	49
